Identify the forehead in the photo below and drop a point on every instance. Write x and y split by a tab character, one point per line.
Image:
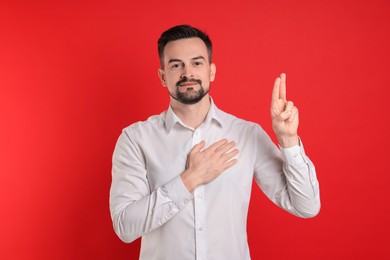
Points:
185	49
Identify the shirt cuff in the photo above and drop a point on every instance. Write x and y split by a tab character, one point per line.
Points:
294	155
177	192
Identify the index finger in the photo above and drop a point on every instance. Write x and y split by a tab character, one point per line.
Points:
283	86
216	145
276	89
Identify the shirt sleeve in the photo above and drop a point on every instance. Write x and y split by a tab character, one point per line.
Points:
135	209
287	177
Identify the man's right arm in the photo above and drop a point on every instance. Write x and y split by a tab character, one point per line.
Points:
135	210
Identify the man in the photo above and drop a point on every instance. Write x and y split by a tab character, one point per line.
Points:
182	179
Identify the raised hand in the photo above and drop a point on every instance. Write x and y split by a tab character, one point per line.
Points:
203	166
284	115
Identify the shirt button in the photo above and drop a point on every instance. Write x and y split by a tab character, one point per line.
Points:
295	155
199	196
200	228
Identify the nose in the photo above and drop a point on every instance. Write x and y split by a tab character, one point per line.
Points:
187	73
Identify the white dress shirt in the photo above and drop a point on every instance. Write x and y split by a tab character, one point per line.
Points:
149	199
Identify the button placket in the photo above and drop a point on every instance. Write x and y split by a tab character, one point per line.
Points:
199	217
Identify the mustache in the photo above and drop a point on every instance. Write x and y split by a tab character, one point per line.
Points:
185	80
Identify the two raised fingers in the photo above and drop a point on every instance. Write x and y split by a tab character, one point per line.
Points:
279	90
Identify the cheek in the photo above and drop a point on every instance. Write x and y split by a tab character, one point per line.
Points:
173	76
208	78
172	82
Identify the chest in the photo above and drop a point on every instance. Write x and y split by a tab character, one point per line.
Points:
166	157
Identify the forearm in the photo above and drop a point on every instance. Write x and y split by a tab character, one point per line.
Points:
301	183
133	218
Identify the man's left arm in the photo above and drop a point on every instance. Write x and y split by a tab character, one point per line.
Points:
296	188
286	176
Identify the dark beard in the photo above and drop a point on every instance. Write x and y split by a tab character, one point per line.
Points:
186	98
190	100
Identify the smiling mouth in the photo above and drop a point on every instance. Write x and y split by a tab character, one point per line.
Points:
187	84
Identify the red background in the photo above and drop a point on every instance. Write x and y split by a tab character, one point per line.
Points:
72	75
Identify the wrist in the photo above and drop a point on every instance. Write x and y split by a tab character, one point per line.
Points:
189	179
288	141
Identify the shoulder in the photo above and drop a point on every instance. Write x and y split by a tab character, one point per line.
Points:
153	123
243	124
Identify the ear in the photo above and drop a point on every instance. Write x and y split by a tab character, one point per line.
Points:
161	75
213	70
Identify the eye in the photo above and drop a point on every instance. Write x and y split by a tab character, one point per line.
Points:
176	65
198	63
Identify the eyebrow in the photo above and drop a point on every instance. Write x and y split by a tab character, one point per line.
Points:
174	60
198	57
195	58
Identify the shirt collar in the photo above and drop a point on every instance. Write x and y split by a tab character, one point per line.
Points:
214	114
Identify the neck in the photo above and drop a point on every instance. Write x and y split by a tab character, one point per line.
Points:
192	115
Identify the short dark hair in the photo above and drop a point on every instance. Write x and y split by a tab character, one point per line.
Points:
182	32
